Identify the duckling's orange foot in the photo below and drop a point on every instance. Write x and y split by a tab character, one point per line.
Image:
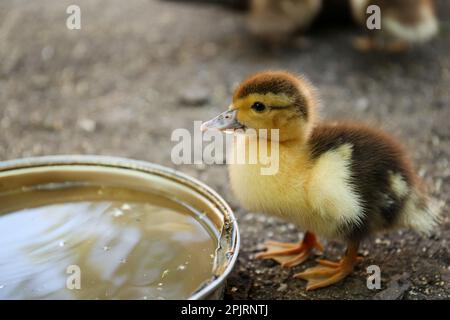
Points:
329	272
397	47
291	254
364	44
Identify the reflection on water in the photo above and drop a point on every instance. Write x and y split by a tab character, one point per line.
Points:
125	250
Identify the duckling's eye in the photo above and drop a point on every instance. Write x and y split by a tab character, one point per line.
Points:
258	107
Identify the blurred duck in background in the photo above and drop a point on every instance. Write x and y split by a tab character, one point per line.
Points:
275	21
404	23
234	4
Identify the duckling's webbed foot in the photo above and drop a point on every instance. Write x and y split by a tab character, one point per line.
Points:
369	44
329	272
291	254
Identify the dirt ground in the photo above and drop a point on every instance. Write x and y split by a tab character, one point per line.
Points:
139	69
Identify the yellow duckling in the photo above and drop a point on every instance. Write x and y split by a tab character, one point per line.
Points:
403	23
275	20
341	181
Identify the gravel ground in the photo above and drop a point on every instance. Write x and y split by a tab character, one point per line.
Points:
139	69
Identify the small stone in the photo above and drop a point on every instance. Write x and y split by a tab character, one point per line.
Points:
422	172
200	166
260	246
194	96
380	241
435	141
438	185
249	216
282	287
261	219
87	125
396	288
362	104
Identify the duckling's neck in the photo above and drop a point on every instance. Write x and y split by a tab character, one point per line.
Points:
280	154
296	133
282	191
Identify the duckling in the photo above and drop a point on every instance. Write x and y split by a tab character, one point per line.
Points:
276	20
335	180
403	23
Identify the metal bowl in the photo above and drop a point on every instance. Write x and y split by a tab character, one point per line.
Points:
146	176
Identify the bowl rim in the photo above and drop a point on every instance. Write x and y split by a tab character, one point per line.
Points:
148	168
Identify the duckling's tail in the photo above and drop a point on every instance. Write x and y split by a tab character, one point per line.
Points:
421	213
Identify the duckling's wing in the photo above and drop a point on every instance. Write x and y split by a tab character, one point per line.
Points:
381	177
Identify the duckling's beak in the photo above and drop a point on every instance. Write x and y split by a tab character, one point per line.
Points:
223	122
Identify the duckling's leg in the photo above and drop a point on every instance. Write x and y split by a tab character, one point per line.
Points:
396	47
364	44
291	254
330	272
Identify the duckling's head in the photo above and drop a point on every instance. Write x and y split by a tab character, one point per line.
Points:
270	100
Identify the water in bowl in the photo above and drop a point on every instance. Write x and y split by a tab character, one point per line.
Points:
90	242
